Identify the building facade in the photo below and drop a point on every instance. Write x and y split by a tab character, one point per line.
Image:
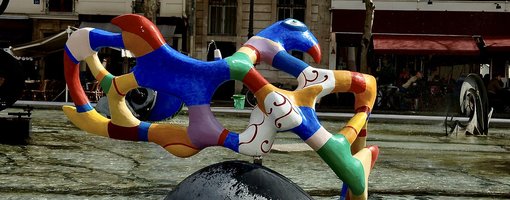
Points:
53	16
35	28
188	25
226	22
447	38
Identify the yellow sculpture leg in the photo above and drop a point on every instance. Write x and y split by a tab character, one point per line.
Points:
342	81
95	65
90	121
354	126
173	138
367	98
120	113
360	142
365	157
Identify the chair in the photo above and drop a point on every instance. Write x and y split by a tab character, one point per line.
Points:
94	92
41	92
55	89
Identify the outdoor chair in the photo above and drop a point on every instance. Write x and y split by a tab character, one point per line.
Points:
94	92
55	89
42	92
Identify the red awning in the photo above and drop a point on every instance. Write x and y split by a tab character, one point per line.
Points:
497	43
425	44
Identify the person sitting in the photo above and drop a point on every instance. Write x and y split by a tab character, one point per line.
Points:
412	81
495	85
410	88
498	96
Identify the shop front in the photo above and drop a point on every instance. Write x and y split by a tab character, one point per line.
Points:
443	44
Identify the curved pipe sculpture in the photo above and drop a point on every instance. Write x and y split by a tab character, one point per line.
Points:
161	68
474	104
3	6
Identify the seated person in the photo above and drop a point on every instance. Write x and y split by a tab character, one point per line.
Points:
499	97
495	85
411	89
411	82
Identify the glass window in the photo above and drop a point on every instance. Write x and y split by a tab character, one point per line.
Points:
222	17
292	9
60	6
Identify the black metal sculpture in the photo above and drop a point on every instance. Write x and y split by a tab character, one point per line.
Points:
237	180
3	6
474	105
12	80
15	130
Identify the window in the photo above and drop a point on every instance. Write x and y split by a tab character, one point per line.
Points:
292	9
222	17
60	6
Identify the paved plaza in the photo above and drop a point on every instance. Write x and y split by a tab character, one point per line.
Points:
416	161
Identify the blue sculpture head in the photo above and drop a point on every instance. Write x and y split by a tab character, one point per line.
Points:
293	34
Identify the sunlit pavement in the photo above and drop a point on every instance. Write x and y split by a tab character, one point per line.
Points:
417	161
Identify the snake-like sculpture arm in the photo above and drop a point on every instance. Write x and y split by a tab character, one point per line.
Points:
175	75
271	46
193	82
274	43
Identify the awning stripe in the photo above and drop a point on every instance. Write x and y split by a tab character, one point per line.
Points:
497	43
425	44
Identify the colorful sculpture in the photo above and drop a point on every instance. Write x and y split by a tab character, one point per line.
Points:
183	79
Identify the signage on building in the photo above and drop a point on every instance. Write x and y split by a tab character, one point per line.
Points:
37	1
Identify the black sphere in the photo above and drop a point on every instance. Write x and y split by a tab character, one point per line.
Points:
237	180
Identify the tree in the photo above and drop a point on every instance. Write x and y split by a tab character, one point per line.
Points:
367	35
151	9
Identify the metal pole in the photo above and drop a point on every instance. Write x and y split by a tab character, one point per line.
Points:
250	23
256	159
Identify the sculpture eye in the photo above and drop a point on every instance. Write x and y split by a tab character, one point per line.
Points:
295	24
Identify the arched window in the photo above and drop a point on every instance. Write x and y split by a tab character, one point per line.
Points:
222	17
